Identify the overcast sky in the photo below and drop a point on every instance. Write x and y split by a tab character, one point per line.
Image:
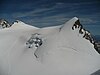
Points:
43	13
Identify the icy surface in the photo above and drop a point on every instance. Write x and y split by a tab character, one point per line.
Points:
63	51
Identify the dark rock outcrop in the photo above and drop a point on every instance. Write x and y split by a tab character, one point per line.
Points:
4	24
87	35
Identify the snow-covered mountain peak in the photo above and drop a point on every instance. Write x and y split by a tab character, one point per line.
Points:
60	50
68	25
75	28
20	25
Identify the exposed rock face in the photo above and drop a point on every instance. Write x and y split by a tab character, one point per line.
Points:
86	34
4	24
17	21
35	40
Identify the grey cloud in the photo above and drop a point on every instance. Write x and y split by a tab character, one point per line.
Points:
55	19
30	13
88	20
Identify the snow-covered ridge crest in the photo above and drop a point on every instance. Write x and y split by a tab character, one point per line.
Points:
86	34
19	24
74	24
71	31
73	47
59	50
68	25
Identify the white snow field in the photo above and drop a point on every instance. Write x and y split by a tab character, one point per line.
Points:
63	51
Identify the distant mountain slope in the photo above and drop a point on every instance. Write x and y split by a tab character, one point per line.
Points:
65	50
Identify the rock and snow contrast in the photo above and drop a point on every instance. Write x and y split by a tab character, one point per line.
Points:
4	24
67	49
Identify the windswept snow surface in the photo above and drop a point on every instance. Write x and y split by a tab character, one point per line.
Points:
64	51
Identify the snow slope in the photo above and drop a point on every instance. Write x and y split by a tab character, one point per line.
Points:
64	51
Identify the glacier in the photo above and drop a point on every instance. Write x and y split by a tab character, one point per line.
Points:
64	50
